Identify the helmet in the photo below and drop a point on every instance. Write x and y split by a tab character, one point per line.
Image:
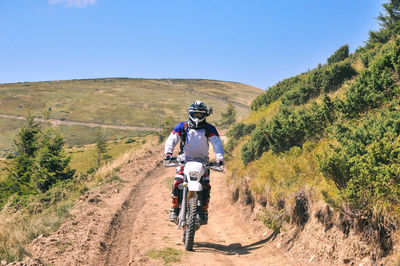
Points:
198	112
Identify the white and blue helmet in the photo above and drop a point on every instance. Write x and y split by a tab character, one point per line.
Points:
198	112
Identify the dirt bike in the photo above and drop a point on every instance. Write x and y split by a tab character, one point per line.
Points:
191	196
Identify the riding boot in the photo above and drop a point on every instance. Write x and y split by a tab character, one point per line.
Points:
205	212
173	212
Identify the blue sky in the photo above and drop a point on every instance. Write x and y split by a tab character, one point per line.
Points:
257	42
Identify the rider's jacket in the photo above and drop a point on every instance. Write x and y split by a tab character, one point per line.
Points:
196	145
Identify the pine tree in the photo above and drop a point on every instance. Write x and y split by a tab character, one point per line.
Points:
51	163
21	168
39	161
389	22
229	117
101	146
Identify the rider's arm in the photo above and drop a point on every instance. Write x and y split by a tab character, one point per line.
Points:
216	143
173	139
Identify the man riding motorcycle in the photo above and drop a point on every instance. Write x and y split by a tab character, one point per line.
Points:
194	135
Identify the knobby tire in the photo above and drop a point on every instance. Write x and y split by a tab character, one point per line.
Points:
191	225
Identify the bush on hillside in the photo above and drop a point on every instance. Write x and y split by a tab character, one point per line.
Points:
257	145
376	84
290	127
321	80
235	133
341	54
368	56
300	95
331	77
276	91
366	163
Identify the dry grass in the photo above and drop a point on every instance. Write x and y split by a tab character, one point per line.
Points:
275	179
84	158
134	102
265	112
125	157
19	226
121	101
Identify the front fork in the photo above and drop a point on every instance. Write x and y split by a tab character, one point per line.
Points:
182	212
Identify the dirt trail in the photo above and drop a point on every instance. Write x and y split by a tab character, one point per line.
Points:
121	227
77	123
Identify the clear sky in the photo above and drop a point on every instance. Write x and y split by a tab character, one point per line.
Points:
257	42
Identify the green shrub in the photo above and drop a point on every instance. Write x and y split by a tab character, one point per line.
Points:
323	79
239	130
341	54
235	133
276	91
377	84
257	145
300	95
289	128
365	165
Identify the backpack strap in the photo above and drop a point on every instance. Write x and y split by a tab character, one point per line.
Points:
207	129
183	137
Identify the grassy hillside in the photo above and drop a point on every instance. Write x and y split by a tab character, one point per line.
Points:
116	101
331	134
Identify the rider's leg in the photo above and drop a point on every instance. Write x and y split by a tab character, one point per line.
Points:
174	211
206	196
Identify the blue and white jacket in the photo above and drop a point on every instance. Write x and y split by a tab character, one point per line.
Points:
196	145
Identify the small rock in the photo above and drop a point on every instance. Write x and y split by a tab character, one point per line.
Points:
3	262
311	259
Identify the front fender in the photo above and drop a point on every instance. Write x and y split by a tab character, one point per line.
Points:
195	186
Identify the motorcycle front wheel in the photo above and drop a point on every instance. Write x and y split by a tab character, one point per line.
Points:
191	224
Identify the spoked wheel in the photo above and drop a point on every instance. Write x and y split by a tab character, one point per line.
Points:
191	225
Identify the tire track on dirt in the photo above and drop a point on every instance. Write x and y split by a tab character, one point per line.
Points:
144	226
118	236
81	240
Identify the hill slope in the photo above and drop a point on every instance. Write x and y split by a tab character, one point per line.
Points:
117	101
321	149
